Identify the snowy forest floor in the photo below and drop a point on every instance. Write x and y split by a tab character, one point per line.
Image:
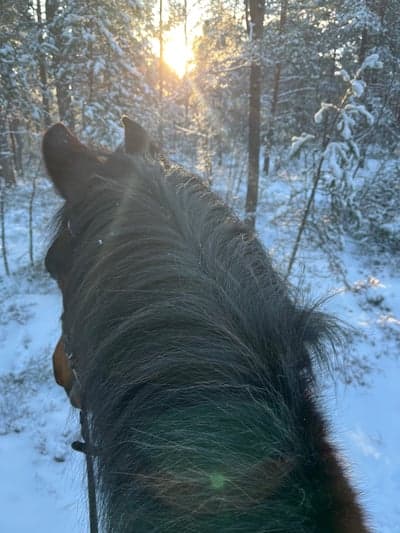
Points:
43	484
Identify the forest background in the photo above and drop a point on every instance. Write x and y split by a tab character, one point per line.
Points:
226	84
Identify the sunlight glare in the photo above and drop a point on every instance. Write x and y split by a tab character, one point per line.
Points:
176	54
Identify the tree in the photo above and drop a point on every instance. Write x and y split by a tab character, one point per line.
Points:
12	87
255	22
219	84
275	93
99	70
58	39
42	64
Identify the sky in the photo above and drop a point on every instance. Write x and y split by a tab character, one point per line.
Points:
178	49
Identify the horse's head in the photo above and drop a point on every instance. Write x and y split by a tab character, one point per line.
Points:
182	342
72	166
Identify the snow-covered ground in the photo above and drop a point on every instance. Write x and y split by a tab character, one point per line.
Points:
42	481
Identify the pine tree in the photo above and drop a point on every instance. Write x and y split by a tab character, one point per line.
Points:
99	63
16	94
255	12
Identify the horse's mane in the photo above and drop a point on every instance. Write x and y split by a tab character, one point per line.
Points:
195	359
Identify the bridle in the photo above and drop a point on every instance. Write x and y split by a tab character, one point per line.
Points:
85	447
66	375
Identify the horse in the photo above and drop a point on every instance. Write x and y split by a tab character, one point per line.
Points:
194	359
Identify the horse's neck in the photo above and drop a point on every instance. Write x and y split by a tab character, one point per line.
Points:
345	514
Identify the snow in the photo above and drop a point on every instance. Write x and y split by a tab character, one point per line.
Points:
319	115
43	484
372	61
343	74
299	142
358	87
37	494
335	156
365	418
42	479
369	430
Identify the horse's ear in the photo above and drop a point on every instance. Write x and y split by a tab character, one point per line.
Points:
69	162
137	140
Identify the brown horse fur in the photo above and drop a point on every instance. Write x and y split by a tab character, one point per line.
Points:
61	367
64	375
196	365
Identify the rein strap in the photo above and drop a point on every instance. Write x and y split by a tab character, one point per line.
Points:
85	448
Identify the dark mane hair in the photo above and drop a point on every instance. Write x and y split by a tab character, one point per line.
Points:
195	362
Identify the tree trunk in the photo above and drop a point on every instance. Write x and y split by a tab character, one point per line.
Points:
362	52
43	68
62	81
255	10
3	240
90	74
17	143
161	75
6	156
274	103
185	77
254	143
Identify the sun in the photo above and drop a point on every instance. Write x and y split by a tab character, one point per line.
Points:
177	54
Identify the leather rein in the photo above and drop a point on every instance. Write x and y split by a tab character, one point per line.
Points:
66	375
